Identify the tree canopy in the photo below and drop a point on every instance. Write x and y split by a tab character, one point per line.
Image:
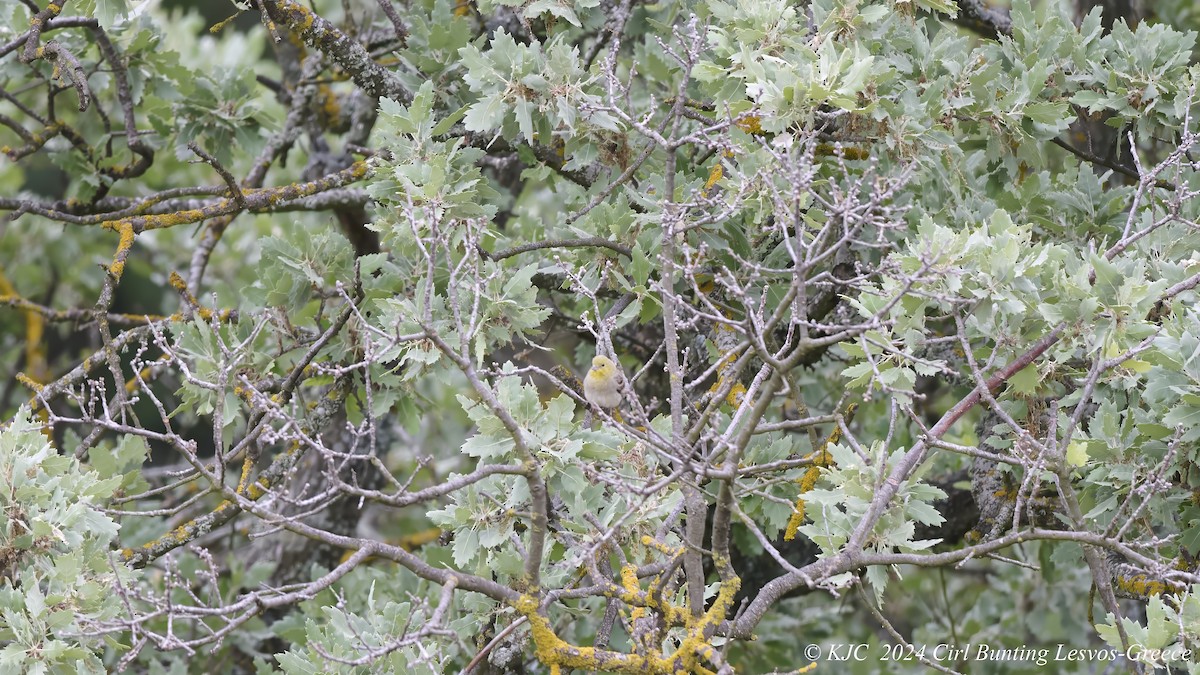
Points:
297	301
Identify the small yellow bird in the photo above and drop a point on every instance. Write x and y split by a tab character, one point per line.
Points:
602	385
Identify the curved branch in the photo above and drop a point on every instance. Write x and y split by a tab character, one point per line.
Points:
582	242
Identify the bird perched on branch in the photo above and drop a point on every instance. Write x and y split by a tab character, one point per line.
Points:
602	385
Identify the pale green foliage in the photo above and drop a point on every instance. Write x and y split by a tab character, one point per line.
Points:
209	356
219	112
482	524
529	92
289	270
57	577
1169	631
768	501
427	172
382	611
1012	284
1142	74
835	510
108	11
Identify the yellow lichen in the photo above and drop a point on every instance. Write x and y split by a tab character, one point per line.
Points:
820	459
219	26
1140	585
662	548
629	579
714	175
751	124
125	228
244	477
25	380
736	394
827	149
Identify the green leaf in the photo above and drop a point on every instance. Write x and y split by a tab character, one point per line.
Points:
1077	454
109	12
1025	381
449	121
